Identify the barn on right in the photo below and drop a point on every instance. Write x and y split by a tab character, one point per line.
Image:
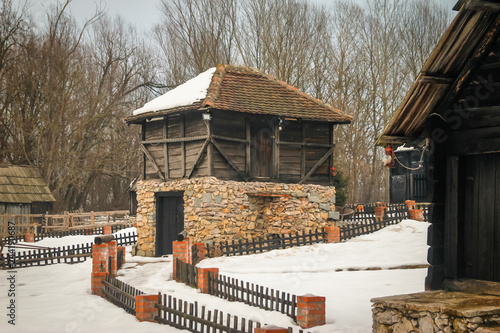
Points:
452	115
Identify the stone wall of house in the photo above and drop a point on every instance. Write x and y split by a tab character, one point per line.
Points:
218	210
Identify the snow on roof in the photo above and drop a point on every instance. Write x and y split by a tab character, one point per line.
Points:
188	93
404	148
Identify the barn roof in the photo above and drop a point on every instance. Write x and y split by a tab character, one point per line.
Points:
23	184
454	60
241	89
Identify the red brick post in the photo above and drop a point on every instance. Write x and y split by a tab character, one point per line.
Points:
88	231
270	329
410	204
417	214
106	230
29	238
182	251
145	307
360	208
311	311
203	278
332	234
380	212
113	252
100	268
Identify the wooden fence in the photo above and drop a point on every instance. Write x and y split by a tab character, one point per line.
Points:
260	245
120	294
235	290
18	224
183	315
40	256
186	273
252	294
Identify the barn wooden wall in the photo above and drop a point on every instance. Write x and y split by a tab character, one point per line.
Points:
222	147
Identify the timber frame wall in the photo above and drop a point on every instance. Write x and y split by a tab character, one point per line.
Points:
184	145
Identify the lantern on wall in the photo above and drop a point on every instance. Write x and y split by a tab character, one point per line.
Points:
389	158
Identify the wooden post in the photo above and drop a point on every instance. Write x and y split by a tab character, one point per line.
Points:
92	218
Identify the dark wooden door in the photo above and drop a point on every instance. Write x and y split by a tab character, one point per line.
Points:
261	153
169	220
480	224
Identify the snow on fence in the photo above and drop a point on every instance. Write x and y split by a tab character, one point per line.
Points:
40	256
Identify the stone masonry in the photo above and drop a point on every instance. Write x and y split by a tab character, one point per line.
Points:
437	311
218	210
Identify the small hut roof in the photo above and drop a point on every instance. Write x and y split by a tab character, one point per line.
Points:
23	184
241	89
455	58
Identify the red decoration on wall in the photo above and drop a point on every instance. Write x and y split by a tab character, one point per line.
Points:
333	171
389	161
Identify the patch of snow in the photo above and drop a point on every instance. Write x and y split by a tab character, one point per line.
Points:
188	93
404	148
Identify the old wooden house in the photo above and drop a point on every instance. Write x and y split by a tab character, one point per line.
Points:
225	152
23	191
452	111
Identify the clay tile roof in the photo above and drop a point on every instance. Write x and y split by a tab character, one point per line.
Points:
23	184
249	90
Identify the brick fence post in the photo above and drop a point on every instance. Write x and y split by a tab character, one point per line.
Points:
88	231
145	307
332	234
360	208
410	204
106	230
113	254
29	238
311	311
182	251
100	268
271	329
380	212
203	278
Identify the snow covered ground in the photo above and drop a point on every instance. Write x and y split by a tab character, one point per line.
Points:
57	298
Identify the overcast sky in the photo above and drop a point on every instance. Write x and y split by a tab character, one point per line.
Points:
142	13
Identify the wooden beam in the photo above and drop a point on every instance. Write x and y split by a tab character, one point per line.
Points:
306	144
316	166
227	138
198	157
434	79
188	139
221	151
152	160
303	151
165	149
183	145
395	140
248	147
482	5
276	152
451	241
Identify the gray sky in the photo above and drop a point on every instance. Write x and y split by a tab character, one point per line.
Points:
142	13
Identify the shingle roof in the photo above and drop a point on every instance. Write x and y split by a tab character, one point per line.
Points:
23	184
249	90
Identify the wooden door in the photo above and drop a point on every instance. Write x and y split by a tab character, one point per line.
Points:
479	234
261	153
169	220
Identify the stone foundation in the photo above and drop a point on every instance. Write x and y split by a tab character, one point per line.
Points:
217	210
437	311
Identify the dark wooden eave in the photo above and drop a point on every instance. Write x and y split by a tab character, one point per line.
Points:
458	54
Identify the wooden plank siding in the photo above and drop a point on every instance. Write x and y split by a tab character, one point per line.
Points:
177	143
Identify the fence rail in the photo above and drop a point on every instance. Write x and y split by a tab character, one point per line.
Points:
71	254
120	294
186	273
252	294
17	224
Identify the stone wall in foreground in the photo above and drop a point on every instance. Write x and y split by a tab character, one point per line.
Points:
219	210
